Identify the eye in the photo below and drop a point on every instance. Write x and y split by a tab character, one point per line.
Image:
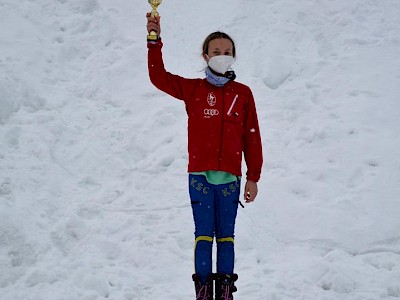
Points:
228	53
217	53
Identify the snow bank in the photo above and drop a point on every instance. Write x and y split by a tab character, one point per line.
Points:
93	190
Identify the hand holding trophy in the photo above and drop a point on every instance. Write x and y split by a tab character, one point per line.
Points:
153	25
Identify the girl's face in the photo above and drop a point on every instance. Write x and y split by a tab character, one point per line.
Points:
219	46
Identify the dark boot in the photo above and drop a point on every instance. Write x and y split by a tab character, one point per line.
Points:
225	286
204	291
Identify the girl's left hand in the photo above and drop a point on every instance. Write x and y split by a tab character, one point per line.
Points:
250	191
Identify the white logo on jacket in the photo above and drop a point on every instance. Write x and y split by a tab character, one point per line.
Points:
209	112
211	99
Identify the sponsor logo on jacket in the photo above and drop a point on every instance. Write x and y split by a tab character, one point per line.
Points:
211	99
210	112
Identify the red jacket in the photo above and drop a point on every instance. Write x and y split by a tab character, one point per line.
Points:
222	121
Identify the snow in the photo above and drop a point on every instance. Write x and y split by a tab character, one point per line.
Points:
93	184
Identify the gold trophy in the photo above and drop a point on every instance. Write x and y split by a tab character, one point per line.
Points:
154	13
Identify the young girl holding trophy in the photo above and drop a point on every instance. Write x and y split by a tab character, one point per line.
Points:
222	125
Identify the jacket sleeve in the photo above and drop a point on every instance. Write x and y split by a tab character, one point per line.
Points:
174	85
252	142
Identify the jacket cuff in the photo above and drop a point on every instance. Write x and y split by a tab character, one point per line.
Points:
253	178
151	43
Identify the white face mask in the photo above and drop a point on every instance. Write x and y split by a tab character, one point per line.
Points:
221	63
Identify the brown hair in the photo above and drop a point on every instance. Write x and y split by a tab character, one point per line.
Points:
218	35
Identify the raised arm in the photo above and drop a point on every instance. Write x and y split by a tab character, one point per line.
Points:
174	85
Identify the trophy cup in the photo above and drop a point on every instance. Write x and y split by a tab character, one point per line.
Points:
154	4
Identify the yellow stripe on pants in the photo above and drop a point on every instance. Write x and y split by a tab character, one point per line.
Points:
203	238
226	239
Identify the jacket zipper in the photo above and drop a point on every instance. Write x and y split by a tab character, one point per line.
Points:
222	128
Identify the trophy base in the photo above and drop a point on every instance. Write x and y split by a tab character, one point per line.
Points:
152	37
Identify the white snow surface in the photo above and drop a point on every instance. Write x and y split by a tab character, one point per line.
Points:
93	183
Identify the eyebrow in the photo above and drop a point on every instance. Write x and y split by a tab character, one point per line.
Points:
228	49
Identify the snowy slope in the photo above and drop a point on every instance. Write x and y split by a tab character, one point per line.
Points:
93	189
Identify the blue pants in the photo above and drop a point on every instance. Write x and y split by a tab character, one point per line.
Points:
214	213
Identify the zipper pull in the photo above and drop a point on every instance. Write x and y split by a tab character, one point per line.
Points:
232	105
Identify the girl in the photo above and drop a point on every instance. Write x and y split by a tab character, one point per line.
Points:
222	125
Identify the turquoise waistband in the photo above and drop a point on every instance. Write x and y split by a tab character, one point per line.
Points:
217	177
